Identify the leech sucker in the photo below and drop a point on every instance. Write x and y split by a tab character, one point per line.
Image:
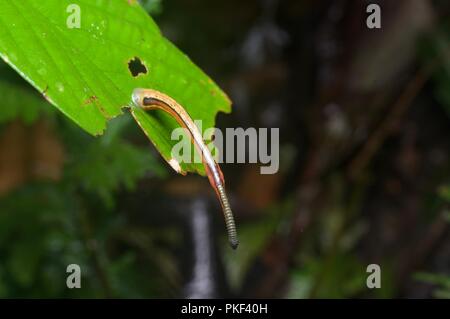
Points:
149	99
229	219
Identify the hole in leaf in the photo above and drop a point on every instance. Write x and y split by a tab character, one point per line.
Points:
136	67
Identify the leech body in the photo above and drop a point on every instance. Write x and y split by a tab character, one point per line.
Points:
149	99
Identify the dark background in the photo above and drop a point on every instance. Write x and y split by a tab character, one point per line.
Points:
364	166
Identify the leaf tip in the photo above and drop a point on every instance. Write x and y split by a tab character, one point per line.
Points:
176	166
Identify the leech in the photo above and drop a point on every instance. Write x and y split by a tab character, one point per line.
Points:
149	99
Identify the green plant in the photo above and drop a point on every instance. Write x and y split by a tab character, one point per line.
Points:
86	58
58	218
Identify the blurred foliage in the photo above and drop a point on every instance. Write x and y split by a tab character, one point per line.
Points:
442	283
154	7
46	225
103	165
435	47
27	108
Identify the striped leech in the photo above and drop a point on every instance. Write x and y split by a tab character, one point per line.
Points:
149	99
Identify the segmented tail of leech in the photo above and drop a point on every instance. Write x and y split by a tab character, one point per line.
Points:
229	219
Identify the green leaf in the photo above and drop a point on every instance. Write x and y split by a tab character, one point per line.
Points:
85	71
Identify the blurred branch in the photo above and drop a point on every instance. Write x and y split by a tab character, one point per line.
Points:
419	250
391	121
